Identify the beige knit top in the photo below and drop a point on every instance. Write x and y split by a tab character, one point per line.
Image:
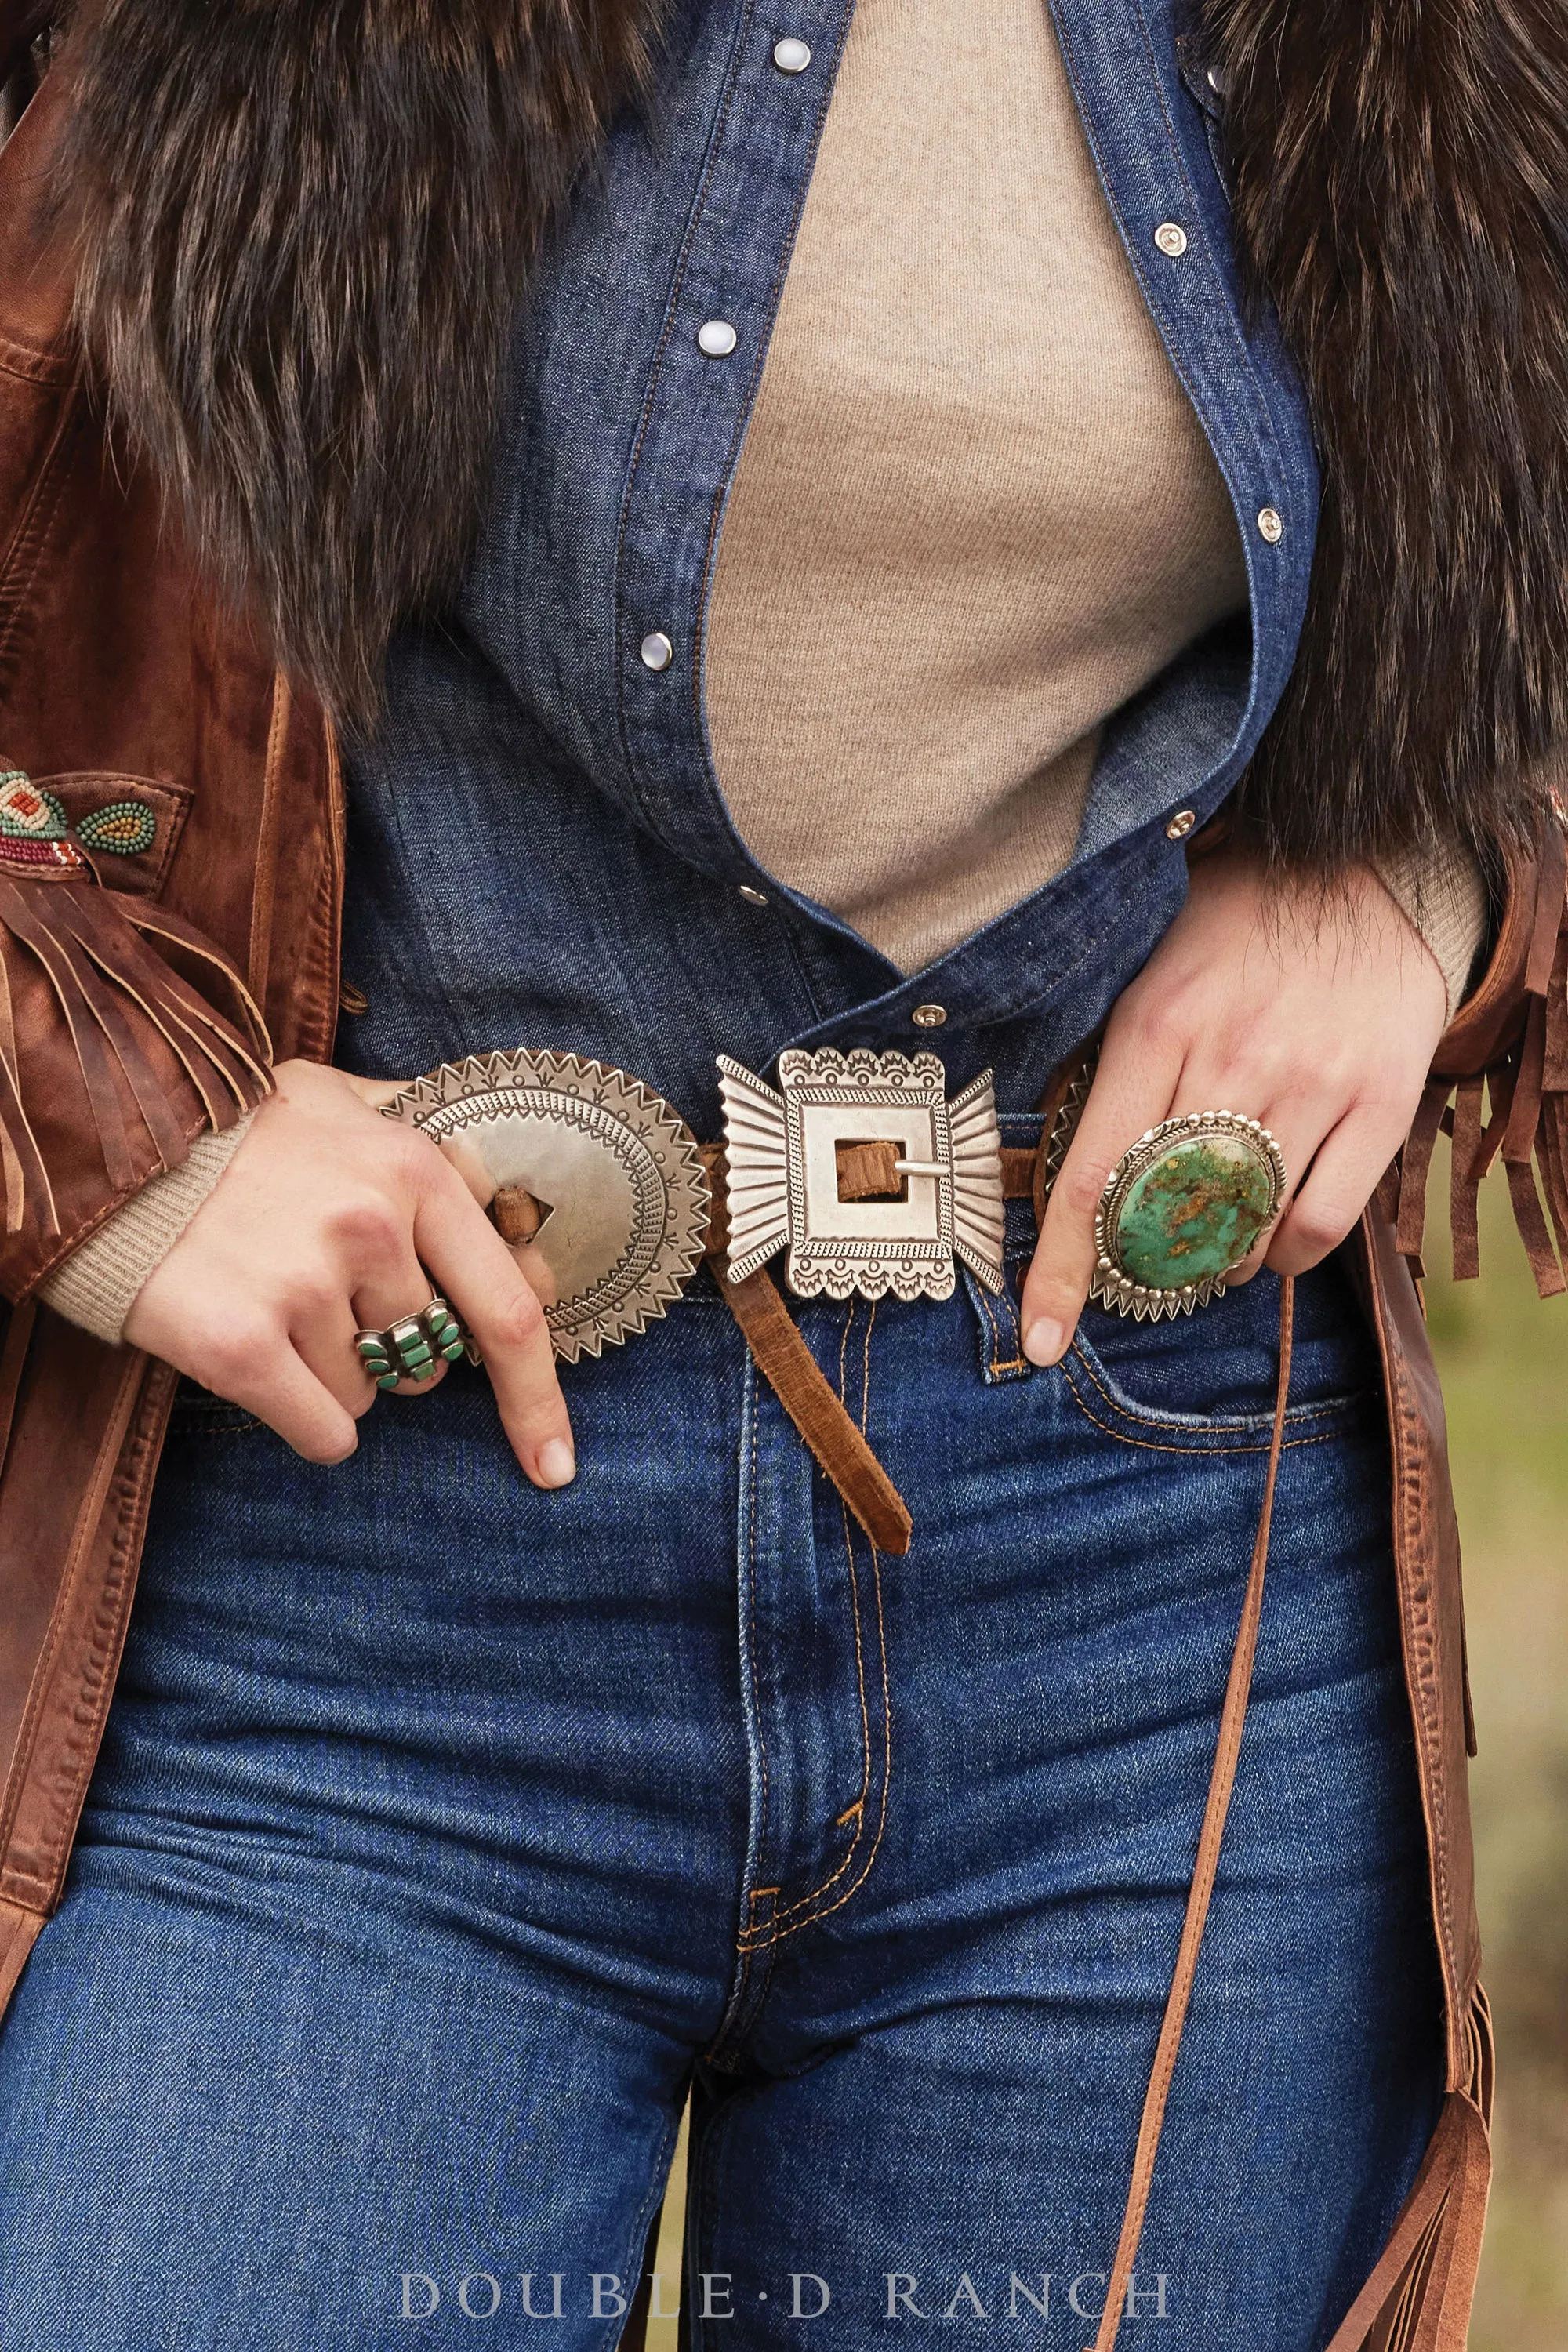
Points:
974	514
975	511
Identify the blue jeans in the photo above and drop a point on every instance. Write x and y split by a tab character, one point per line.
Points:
445	1830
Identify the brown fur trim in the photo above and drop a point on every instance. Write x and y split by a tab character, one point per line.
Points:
1400	179
304	230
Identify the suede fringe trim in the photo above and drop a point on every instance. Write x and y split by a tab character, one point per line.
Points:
1517	1107
1419	2296
111	988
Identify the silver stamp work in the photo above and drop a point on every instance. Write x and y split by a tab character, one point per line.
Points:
782	1153
593	1180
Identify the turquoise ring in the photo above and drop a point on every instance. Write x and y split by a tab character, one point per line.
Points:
415	1348
1181	1211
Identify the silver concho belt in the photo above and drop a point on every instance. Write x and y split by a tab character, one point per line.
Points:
603	1185
782	1154
585	1168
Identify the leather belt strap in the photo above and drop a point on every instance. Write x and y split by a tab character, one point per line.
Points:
1222	1782
865	1172
818	1412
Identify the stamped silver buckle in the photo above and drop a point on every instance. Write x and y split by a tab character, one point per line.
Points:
614	1185
781	1161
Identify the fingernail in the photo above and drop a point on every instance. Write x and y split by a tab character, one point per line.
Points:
1043	1341
557	1463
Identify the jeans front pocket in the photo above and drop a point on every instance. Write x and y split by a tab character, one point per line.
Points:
1206	1382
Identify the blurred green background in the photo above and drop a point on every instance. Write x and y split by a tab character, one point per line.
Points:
1504	1359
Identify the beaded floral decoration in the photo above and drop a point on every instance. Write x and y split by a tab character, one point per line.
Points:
33	827
36	831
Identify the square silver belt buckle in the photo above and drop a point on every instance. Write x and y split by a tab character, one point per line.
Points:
782	1162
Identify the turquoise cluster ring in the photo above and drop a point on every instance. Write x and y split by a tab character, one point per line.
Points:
1182	1209
413	1348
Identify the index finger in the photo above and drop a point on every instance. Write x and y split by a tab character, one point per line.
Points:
1131	1093
477	1272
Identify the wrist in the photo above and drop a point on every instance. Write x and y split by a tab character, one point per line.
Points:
98	1285
1442	896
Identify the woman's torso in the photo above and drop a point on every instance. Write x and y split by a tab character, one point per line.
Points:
540	849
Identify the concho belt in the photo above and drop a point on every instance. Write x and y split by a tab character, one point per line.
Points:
593	1173
605	1186
787	1153
858	1167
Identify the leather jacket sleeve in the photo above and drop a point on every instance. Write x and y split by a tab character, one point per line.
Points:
124	1034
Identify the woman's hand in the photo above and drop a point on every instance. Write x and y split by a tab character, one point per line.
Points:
1316	1014
328	1219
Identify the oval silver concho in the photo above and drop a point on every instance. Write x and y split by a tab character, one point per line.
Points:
581	1167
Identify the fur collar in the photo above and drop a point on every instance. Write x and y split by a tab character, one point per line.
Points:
305	224
1400	181
304	227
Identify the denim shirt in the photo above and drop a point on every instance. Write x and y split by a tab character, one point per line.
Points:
539	850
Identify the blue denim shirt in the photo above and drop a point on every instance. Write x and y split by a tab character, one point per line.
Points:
540	853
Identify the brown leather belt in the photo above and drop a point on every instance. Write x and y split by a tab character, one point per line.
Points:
867	1172
534	1128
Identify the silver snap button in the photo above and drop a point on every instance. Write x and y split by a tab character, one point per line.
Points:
1271	525
716	338
656	651
1171	239
928	1016
753	897
1180	825
792	57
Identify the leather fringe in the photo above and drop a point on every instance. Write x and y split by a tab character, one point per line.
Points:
1516	1109
1418	2298
113	992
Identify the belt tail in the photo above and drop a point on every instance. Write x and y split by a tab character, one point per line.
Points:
797	1379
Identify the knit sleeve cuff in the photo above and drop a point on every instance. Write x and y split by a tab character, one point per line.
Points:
1444	897
99	1282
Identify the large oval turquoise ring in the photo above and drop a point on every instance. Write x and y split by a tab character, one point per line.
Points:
1182	1209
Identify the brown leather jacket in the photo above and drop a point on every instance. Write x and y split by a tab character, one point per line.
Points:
116	672
134	993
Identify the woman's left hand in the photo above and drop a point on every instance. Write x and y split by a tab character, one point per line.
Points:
1316	1013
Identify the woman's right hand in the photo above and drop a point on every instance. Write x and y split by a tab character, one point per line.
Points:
329	1220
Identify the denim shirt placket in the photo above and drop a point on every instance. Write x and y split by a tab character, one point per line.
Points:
1056	956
